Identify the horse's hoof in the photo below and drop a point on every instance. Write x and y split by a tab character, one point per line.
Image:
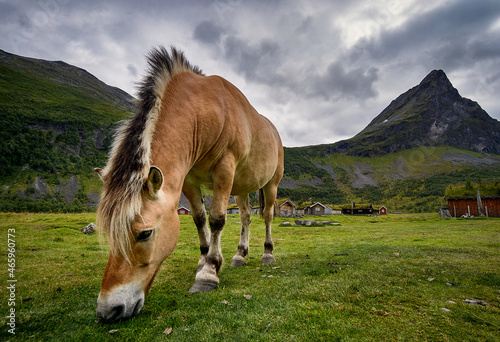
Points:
268	259
238	261
202	286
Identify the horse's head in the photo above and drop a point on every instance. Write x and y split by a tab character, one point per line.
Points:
135	257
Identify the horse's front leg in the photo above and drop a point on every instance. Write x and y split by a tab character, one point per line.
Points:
207	279
194	196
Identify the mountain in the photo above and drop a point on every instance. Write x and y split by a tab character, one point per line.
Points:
65	75
427	138
57	122
431	114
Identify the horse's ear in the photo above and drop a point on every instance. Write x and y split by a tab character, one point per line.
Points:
155	180
100	172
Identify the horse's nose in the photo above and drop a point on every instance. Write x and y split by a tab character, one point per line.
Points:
112	314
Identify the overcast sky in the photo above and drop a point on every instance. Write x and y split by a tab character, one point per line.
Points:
320	70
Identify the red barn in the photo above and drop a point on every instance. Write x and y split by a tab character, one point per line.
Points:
183	211
382	211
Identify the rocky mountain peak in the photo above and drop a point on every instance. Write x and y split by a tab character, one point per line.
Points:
430	114
438	83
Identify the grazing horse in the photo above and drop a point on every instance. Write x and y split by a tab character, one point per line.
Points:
190	130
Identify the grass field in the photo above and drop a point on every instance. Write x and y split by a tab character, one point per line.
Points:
386	278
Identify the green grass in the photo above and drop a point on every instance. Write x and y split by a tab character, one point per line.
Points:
386	278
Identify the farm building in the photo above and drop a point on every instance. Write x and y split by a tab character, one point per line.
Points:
183	211
478	200
233	209
287	208
319	209
302	208
310	208
459	206
362	209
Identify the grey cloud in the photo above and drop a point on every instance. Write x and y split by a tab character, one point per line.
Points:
448	34
339	82
25	22
132	70
208	32
257	62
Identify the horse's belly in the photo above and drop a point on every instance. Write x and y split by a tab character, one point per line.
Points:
251	178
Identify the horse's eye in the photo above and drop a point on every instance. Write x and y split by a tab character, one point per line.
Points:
144	235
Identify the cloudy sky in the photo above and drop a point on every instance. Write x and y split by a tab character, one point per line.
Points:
320	70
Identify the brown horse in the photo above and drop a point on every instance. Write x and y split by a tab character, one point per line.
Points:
196	130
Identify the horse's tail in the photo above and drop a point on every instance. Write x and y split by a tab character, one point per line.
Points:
261	203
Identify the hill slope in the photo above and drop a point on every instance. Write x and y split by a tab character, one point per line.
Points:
57	123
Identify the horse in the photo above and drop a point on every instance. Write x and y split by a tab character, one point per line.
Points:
190	130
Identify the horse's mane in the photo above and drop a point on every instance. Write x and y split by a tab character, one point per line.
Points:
129	161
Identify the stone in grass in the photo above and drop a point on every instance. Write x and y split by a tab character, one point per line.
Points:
89	229
473	301
315	223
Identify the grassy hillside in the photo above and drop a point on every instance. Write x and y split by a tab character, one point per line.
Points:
57	122
409	180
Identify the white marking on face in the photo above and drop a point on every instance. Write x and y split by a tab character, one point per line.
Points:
123	302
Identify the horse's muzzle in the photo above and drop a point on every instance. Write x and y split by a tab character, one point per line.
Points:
121	303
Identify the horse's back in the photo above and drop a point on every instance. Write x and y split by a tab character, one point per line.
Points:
227	124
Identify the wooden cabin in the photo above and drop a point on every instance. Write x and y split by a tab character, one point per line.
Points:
319	209
287	208
303	208
362	209
459	206
316	209
233	209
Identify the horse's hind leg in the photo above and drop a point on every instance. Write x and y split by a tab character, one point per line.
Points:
270	192
245	212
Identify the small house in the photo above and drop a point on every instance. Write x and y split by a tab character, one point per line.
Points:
470	200
183	211
459	206
361	209
287	208
233	209
303	208
319	209
382	210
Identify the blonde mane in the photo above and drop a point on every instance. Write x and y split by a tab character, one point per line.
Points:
129	161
